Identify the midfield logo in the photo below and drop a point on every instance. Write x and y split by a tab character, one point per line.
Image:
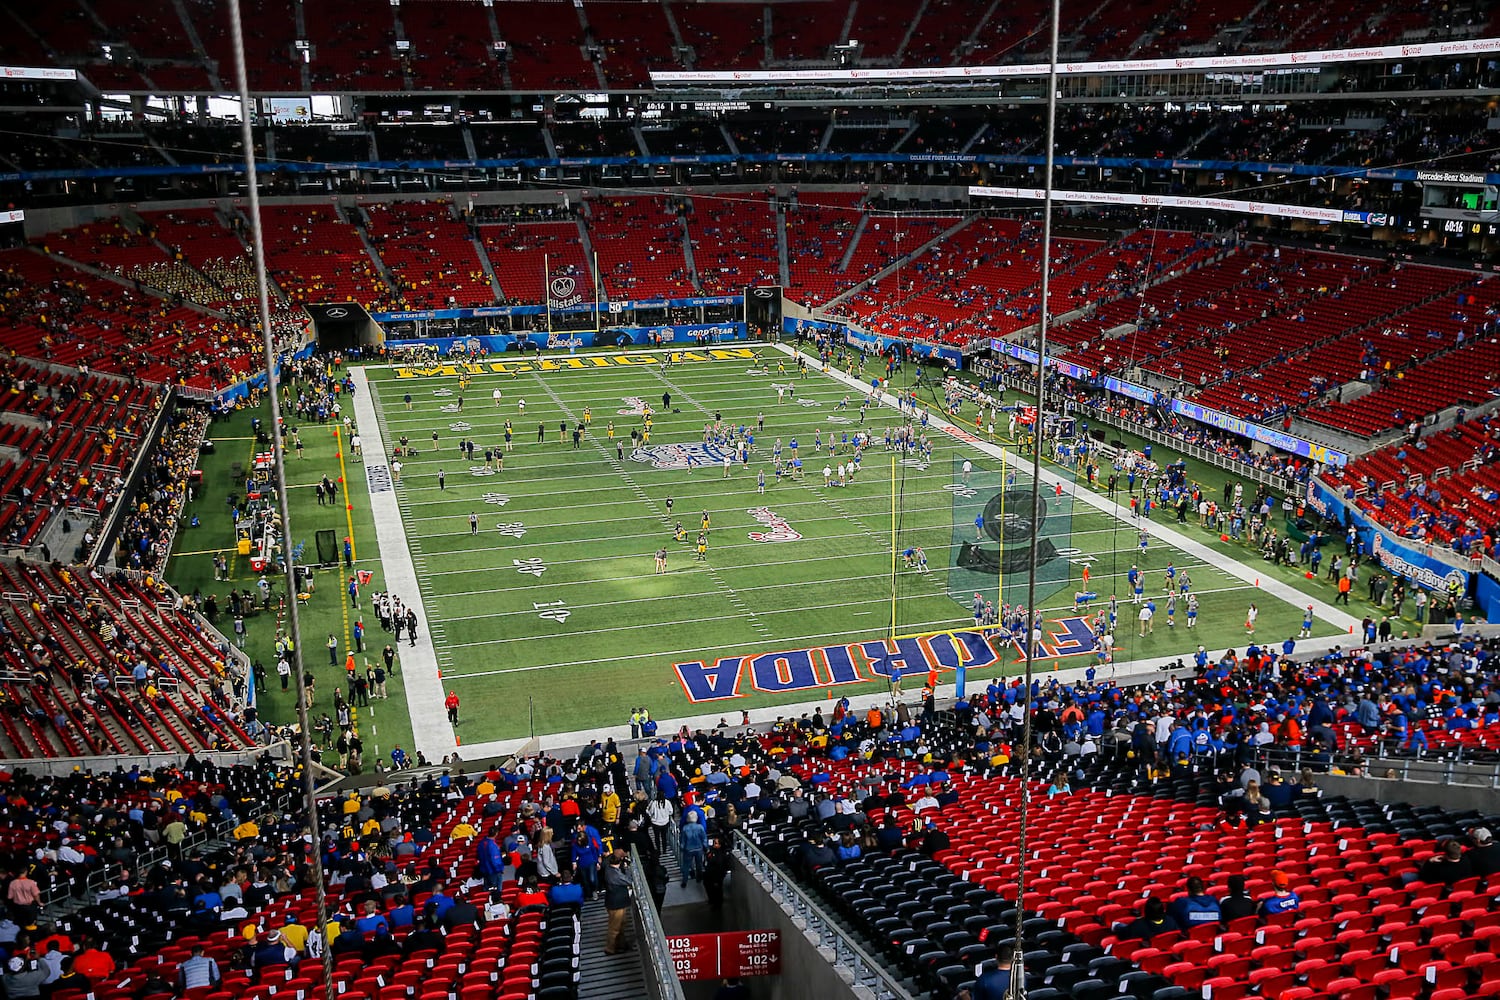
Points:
680	456
635	406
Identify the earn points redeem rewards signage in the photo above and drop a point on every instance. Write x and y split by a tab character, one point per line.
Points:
729	955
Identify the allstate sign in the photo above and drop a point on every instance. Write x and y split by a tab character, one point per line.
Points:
562	292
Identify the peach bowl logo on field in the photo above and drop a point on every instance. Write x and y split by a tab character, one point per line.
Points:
780	529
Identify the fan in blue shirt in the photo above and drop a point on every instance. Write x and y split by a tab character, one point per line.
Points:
1283	899
1197	907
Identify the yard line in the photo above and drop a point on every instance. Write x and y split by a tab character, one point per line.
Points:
1285	592
1126	614
1123	640
938	547
718	581
542	478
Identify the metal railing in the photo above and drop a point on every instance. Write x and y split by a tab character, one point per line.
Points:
1184	447
822	930
55	901
279	752
1444	554
1432	766
656	960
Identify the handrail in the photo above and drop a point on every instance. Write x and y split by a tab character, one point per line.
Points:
1432	550
113	520
1437	768
868	972
656	960
279	752
1191	450
222	830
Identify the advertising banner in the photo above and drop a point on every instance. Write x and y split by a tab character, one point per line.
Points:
949	74
1290	443
872	341
1395	554
539	163
1237	205
485	312
619	336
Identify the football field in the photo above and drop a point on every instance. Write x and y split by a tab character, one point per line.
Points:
550	616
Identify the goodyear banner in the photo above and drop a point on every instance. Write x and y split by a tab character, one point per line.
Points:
1395	554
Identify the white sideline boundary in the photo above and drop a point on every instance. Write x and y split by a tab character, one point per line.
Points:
431	731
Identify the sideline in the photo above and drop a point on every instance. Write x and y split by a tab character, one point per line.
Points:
431	731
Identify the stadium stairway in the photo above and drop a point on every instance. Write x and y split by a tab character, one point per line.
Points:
589	256
783	258
687	252
854	238
361	221
890	268
485	262
606	977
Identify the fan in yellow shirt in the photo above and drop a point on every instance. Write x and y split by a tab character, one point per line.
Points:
295	935
609	805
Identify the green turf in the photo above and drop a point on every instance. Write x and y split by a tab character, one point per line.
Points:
383	724
596	526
